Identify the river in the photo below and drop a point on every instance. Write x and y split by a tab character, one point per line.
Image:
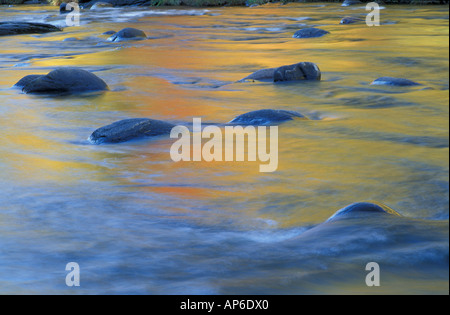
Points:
138	223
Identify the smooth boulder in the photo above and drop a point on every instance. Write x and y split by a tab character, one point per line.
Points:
310	32
19	28
130	129
298	71
394	81
363	208
128	34
62	81
266	117
26	80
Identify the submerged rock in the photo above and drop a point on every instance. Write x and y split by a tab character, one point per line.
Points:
128	34
348	3
394	81
298	71
266	117
310	32
130	129
350	20
101	5
18	28
109	33
62	81
364	207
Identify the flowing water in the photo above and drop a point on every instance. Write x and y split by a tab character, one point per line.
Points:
137	222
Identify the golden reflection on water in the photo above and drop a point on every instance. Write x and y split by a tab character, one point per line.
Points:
323	170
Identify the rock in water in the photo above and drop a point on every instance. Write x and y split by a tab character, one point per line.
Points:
26	80
101	5
128	34
348	3
310	32
394	81
350	20
130	129
63	81
266	117
364	207
297	72
18	28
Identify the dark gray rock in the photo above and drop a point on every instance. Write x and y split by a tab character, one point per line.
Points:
394	81
63	81
297	72
266	117
18	28
310	32
26	80
364	208
350	20
130	129
128	34
260	75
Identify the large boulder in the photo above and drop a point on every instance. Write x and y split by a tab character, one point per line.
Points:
130	129
310	32
266	117
394	81
295	72
62	81
128	34
18	28
363	208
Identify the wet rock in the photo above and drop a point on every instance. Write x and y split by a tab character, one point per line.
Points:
299	71
350	20
109	33
63	81
130	129
101	5
266	117
364	208
310	32
64	9
26	80
128	34
348	3
394	81
260	75
17	28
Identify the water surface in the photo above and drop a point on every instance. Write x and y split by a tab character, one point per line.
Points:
137	222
